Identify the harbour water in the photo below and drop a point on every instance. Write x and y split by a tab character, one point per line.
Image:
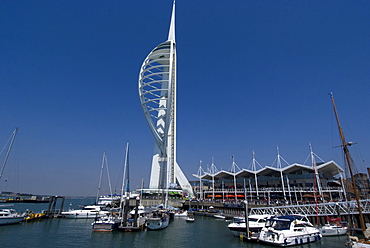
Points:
61	233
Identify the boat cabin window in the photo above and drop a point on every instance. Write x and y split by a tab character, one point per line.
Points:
281	225
269	223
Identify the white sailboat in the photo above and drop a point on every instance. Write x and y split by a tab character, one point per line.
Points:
9	216
130	220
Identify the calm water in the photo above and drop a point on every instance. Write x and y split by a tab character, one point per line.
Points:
204	232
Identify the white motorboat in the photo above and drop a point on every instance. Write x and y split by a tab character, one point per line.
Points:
10	216
106	223
333	230
181	214
109	200
87	212
159	219
334	227
255	224
190	219
219	216
289	230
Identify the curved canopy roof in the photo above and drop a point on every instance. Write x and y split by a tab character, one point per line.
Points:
331	168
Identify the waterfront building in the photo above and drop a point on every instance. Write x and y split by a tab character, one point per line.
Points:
293	183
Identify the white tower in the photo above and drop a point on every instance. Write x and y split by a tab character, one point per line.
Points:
157	91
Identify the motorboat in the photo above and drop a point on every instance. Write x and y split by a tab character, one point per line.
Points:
190	219
30	216
289	230
159	219
109	200
87	212
332	229
133	223
106	224
255	224
10	216
219	216
181	214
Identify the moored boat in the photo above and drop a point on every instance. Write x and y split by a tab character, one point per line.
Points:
334	227
87	212
159	219
34	216
255	224
333	230
10	216
219	216
289	230
181	214
106	224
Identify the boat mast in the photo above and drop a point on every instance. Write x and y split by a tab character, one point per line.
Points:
349	163
124	188
8	152
281	173
100	177
125	182
316	183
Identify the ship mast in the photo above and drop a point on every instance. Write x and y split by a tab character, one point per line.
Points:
9	149
349	163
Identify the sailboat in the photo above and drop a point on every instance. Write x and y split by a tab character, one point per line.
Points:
355	242
9	216
129	220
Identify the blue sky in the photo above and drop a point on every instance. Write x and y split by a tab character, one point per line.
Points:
252	75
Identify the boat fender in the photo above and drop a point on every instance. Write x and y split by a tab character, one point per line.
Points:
301	241
308	239
353	238
285	241
296	241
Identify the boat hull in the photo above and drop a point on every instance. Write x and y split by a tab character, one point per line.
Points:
242	230
81	215
105	226
333	231
10	220
282	240
157	223
131	227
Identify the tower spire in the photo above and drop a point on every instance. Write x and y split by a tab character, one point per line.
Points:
171	33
